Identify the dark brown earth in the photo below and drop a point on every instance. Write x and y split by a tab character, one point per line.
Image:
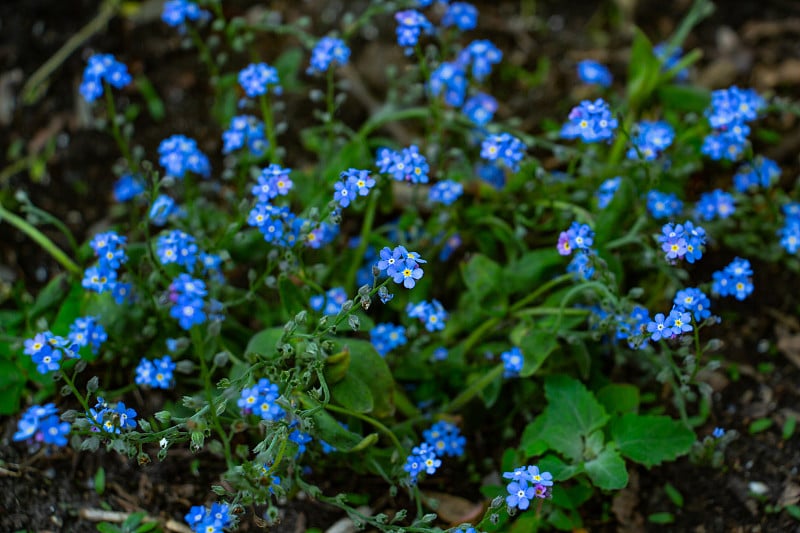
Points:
749	43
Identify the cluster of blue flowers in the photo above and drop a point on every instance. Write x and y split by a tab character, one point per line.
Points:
663	205
257	79
353	183
761	173
329	303
503	147
682	241
109	248
462	15
386	337
204	520
406	165
480	109
730	111
48	350
790	232
591	121
431	314
578	238
110	419
734	280
177	247
441	440
261	400
100	69
401	265
715	204
272	182
592	72
527	483
87	331
188	307
481	56
245	130
156	374
676	323
411	24
694	301
650	139
445	192
179	154
41	424
512	362
670	60
177	13
328	51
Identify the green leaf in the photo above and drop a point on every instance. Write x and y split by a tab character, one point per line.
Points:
757	426
532	442
70	309
651	439
643	71
536	347
661	518
619	397
607	471
482	276
331	431
372	370
292	300
265	342
55	291
673	494
12	383
573	413
684	98
353	394
531	269
614	218
560	470
571	497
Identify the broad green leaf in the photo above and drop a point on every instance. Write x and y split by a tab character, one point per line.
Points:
372	370
573	413
651	439
55	291
532	442
265	342
560	470
536	347
531	269
353	394
607	470
619	397
12	383
70	309
571	497
482	276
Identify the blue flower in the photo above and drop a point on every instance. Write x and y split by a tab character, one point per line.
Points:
762	172
432	314
503	147
445	439
660	327
718	432
99	279
445	192
126	417
257	79
177	12
462	15
590	71
244	130
328	51
187	294
386	337
734	280
410	25
715	204
512	362
650	139
663	205
680	321
127	187
576	237
480	109
591	121
359	181
449	80
102	68
40	423
790	235
177	247
519	495
660	51
606	191
87	331
582	265
109	247
163	207
179	154
481	55
261	400
694	301
733	106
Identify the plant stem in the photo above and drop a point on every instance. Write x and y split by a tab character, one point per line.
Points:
39	238
111	111
371	421
269	128
366	228
476	387
197	342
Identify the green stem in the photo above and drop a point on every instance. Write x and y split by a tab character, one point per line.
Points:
75	391
366	228
205	53
330	104
544	311
474	388
269	128
197	342
371	421
39	238
111	111
30	208
582	214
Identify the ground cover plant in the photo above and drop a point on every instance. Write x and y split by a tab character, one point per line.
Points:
428	295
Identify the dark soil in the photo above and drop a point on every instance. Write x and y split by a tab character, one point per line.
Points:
749	43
